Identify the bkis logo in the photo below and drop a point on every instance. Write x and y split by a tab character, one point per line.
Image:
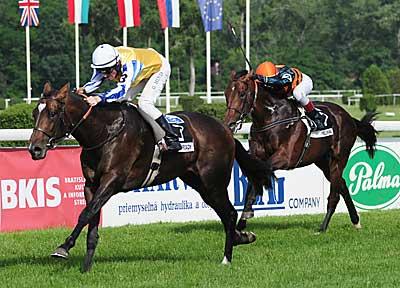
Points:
373	183
30	193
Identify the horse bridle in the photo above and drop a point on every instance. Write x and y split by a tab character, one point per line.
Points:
245	104
54	140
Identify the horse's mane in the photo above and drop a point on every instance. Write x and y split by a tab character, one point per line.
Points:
240	73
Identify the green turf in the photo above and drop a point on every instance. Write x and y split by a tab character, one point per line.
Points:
287	253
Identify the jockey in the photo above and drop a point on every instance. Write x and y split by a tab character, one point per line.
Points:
134	70
290	81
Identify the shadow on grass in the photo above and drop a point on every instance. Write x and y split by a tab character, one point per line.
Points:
76	261
252	225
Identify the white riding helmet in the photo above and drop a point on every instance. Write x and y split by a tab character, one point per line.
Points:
104	56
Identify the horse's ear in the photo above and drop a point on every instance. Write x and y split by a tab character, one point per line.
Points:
63	92
47	88
233	74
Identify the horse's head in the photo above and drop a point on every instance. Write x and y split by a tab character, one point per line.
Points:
240	96
49	119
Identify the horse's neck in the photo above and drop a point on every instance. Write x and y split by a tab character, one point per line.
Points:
89	129
271	108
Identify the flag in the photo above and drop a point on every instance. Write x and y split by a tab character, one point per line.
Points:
211	13
29	10
78	11
129	13
169	13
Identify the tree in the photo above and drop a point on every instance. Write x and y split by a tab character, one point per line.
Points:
374	83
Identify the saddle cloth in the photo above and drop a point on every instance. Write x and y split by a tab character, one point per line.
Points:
314	134
180	129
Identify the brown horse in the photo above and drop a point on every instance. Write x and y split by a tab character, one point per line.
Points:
279	137
117	151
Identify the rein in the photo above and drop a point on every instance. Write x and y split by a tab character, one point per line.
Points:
291	120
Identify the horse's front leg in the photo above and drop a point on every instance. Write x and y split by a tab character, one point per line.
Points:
88	215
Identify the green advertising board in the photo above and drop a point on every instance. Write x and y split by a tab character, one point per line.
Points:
373	183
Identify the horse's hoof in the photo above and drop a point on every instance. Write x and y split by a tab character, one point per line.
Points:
244	238
225	261
60	253
357	226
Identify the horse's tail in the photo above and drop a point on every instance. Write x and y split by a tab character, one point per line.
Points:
253	167
367	132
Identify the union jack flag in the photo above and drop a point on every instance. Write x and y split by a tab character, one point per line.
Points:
29	12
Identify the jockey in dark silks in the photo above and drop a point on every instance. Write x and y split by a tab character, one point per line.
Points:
284	80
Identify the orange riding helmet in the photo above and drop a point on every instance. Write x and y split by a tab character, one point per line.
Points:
267	69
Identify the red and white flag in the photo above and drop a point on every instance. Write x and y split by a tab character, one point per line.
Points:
129	13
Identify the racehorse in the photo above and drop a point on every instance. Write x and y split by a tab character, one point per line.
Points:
117	150
279	137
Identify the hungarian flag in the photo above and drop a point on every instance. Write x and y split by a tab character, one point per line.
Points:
78	11
129	13
169	13
29	12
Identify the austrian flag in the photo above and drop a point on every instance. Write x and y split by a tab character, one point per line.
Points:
129	13
29	12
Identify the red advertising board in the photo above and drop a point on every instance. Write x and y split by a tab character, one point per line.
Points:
40	194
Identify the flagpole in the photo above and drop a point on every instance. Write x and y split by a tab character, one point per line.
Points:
77	54
167	85
208	63
28	64
125	36
247	33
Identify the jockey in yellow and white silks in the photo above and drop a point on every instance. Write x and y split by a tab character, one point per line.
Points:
135	70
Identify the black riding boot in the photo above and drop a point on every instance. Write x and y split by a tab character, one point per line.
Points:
320	119
171	139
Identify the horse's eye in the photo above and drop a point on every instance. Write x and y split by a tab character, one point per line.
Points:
52	114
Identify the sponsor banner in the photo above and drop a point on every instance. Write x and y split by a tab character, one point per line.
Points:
374	183
170	202
40	194
49	193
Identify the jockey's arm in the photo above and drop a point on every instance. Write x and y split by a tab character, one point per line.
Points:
94	83
130	71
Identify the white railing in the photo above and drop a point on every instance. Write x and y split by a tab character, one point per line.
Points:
24	134
379	126
353	97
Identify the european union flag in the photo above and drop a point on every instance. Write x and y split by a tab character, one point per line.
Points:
211	13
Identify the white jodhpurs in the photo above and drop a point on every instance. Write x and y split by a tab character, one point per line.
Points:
152	89
303	89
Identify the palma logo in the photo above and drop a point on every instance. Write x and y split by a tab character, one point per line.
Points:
373	183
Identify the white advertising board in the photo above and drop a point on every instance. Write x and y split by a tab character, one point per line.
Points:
373	184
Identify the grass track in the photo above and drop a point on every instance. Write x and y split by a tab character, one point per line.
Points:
287	253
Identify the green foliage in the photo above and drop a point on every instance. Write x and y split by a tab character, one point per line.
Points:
216	110
189	103
323	38
375	83
18	116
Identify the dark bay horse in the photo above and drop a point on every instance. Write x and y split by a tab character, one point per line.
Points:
279	137
117	150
